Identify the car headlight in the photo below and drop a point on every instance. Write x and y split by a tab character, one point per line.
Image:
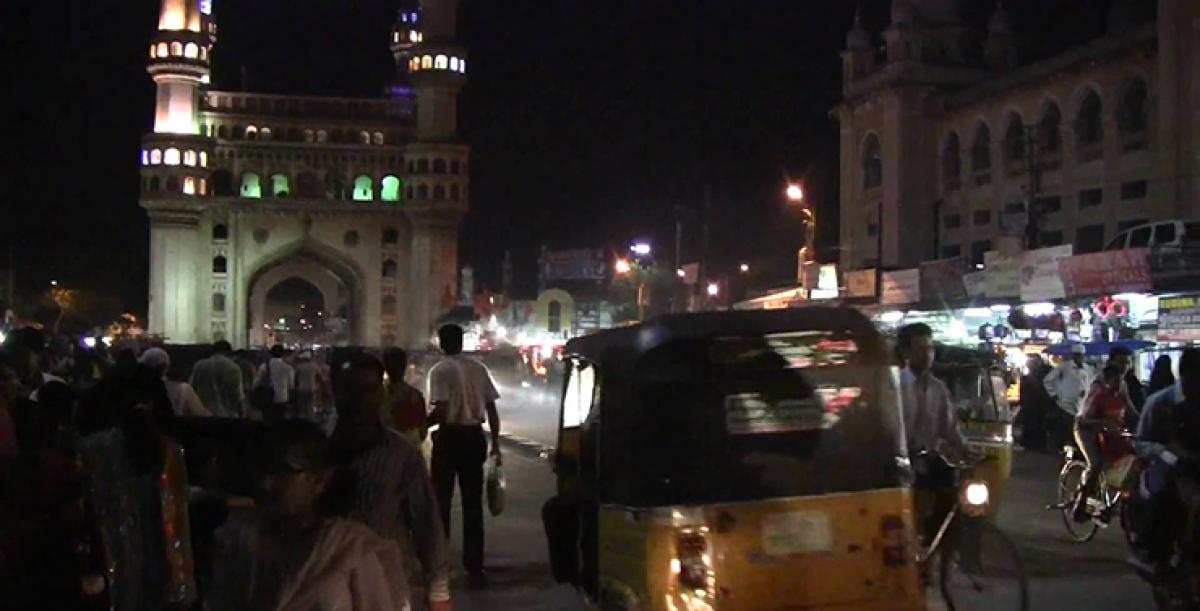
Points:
976	494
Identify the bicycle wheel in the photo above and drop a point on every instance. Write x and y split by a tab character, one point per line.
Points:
1070	485
979	569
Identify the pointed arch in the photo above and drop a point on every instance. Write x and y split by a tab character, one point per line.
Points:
1049	128
872	162
1014	139
364	188
390	188
251	185
952	162
1089	120
981	148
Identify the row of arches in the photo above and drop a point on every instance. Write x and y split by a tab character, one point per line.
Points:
410	36
280	105
435	166
174	156
438	62
187	185
389	188
296	134
389	237
176	48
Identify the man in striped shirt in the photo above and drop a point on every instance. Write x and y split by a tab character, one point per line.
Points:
383	482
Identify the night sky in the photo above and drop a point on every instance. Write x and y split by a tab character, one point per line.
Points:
589	122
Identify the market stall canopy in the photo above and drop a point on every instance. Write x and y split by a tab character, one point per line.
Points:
1098	348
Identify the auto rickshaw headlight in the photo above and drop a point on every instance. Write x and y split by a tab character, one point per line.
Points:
975	497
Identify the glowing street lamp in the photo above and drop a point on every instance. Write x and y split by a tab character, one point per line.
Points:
679	273
795	193
745	268
641	249
714	289
623	266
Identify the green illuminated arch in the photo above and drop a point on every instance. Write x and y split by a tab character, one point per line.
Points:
390	189
251	185
364	190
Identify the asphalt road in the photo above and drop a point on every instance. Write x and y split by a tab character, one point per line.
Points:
1063	575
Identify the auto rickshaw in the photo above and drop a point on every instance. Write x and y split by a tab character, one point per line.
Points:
978	390
734	460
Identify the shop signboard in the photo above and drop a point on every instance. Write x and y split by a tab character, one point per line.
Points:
1111	271
903	286
943	279
1039	273
975	284
1179	318
1003	275
860	283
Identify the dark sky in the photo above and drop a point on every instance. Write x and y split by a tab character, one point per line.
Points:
590	122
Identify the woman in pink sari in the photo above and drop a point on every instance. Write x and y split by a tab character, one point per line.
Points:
289	557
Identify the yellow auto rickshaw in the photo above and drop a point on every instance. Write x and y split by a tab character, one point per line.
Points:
734	460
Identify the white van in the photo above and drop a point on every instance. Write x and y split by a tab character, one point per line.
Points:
1164	237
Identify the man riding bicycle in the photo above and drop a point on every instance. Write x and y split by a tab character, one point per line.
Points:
930	423
1168	438
1098	427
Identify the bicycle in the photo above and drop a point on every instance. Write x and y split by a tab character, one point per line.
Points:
1107	497
977	565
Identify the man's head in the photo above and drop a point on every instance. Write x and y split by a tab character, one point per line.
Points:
277	351
1077	353
395	360
222	347
1121	358
1189	374
360	391
450	337
916	346
295	468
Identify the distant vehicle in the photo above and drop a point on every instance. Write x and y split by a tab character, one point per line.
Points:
1165	237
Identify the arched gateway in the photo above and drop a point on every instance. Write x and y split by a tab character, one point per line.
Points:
254	199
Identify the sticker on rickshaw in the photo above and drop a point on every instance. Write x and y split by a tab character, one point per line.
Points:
750	413
799	532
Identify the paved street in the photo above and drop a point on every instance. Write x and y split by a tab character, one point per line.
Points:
1063	574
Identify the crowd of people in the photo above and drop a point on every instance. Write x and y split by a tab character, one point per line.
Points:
104	509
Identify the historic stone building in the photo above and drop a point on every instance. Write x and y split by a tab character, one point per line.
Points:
360	198
950	145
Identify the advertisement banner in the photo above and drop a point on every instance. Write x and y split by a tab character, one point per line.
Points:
1003	275
1100	273
860	283
943	279
1179	318
902	286
575	264
975	284
1039	273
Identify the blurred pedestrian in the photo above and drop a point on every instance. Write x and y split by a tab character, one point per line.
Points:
290	556
217	380
274	385
184	401
463	397
1160	376
1067	384
311	385
405	405
382	482
1035	404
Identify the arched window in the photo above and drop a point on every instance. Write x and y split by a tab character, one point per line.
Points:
423	192
439	166
322	136
203	159
204	53
203	186
222	183
872	163
391	237
189	158
426	62
189	185
1089	126
162	49
145	157
308	135
219	265
1133	111
251	186
951	161
981	149
364	137
153	51
223	132
171	156
439	192
153	186
265	133
191	51
364	190
440	62
220	232
389	269
279	185
462	66
454	64
218	303
554	317
388	307
1014	140
334	187
177	48
1049	130
414	64
454	166
422	166
377	137
251	132
389	189
155	156
172	185
454	193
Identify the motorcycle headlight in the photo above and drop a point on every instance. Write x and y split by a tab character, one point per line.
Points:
975	495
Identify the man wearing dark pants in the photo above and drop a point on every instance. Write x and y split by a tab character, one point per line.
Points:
463	396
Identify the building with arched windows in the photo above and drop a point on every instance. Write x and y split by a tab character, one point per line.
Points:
247	192
952	145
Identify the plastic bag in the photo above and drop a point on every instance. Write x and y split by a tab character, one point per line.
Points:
495	487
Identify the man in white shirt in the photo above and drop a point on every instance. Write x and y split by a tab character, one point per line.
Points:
1067	384
281	378
463	397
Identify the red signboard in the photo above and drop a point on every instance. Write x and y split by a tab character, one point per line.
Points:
1112	271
